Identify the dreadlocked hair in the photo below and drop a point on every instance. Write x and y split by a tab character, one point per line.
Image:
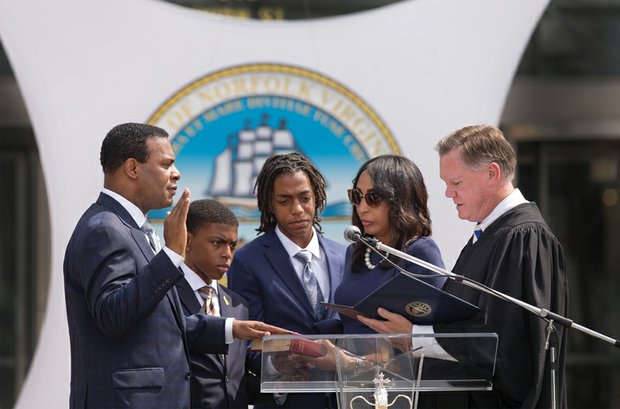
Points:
282	164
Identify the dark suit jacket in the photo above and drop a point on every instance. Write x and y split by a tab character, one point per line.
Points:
218	380
129	338
263	274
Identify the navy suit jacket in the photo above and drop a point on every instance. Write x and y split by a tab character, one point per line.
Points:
129	338
262	272
218	381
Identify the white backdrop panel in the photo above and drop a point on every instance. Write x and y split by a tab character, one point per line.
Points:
426	67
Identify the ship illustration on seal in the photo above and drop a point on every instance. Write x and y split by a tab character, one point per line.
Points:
238	165
236	168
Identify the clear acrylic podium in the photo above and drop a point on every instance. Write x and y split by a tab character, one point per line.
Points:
370	371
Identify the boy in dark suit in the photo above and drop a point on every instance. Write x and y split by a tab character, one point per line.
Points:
218	380
281	288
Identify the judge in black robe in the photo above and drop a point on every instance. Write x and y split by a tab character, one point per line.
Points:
519	256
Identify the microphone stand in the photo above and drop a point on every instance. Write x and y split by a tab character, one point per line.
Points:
549	316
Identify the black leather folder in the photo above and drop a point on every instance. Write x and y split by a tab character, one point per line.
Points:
420	302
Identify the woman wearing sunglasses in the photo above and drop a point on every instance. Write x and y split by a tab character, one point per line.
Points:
389	204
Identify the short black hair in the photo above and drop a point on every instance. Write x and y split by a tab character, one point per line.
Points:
127	141
284	164
206	211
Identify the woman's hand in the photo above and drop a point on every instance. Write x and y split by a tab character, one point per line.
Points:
326	362
394	324
349	363
292	367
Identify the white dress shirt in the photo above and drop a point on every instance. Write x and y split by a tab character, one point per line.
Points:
319	261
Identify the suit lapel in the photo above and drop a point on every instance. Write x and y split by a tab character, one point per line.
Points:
226	308
125	217
335	271
143	243
144	246
187	297
282	265
173	298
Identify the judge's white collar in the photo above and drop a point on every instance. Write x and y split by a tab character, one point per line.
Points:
512	200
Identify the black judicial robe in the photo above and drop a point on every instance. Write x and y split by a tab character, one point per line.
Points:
518	255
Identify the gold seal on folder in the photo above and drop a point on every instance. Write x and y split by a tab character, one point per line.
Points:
418	309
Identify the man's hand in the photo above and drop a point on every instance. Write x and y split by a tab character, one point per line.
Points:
175	230
243	329
395	324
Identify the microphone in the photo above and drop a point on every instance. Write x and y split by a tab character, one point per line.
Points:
352	234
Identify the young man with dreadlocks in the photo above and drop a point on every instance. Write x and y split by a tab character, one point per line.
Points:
286	271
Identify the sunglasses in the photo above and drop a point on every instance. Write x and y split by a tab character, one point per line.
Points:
372	198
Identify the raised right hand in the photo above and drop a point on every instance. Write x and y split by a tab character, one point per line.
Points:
175	230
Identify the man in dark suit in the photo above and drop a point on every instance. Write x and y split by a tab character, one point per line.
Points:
219	381
129	339
267	271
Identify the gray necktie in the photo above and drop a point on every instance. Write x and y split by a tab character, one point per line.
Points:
311	283
147	228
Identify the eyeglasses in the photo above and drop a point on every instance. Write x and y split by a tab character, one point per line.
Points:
372	198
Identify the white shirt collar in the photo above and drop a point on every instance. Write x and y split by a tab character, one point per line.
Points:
135	213
194	280
292	248
512	200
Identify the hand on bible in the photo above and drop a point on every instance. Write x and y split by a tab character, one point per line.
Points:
243	329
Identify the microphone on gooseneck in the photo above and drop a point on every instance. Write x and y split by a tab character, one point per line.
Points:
352	234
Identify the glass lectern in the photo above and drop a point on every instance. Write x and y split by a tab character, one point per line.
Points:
377	370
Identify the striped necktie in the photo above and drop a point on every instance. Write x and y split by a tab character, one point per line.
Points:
477	233
208	294
311	284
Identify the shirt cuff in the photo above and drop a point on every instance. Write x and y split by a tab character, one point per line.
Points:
228	330
174	257
424	342
430	344
422	329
